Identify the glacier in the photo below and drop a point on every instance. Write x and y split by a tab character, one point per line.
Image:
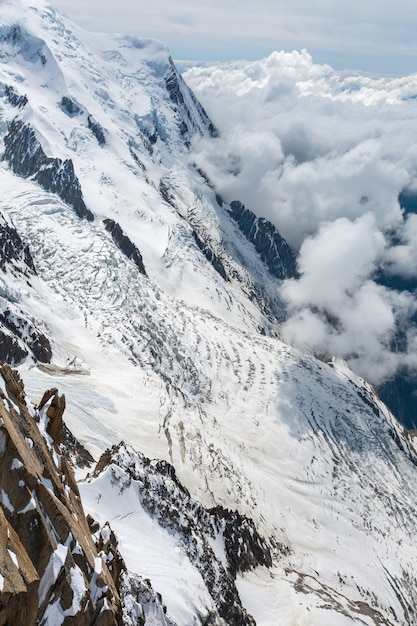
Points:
184	362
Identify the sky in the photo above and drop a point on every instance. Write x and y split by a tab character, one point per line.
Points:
348	34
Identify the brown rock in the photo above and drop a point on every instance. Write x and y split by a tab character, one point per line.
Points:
43	524
54	412
14	384
20	581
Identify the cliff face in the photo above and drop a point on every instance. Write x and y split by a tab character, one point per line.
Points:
271	247
19	334
50	569
26	157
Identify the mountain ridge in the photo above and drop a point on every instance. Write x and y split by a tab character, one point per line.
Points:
186	362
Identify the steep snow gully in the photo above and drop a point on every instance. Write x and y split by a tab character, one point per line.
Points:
283	491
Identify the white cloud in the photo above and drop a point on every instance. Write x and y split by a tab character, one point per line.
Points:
335	263
401	259
324	156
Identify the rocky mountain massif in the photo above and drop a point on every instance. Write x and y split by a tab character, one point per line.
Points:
284	491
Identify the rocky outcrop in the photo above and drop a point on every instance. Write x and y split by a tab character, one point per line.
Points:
70	107
272	248
195	528
211	256
97	130
50	569
15	40
25	155
54	413
140	603
222	261
57	566
126	246
13	250
78	456
21	337
14	98
11	349
192	116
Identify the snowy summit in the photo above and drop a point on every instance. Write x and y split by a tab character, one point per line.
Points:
238	479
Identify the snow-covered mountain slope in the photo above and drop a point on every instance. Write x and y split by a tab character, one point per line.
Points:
195	554
163	325
58	567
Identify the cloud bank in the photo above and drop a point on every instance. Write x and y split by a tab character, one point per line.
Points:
325	156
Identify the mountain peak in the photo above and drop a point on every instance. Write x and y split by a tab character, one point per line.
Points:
261	472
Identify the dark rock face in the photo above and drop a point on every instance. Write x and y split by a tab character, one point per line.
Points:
269	244
244	548
11	349
75	452
168	502
126	246
70	107
26	335
15	99
214	259
97	130
19	334
13	250
26	157
193	117
23	151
